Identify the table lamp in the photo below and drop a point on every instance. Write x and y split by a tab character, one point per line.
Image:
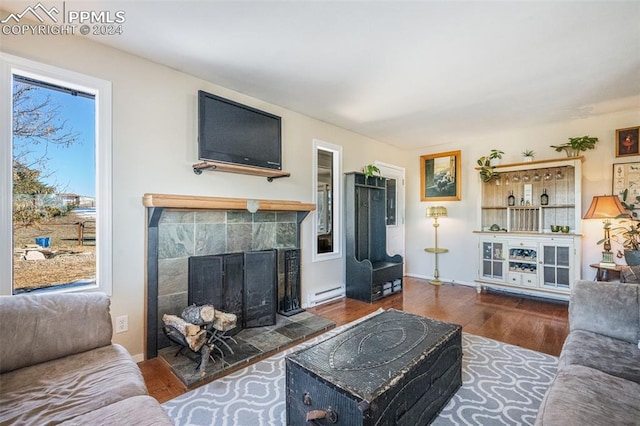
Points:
606	207
435	212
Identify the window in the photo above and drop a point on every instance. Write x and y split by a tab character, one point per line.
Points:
392	202
327	167
56	176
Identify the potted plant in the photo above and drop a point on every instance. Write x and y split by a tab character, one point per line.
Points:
576	145
495	156
371	170
629	230
527	155
487	171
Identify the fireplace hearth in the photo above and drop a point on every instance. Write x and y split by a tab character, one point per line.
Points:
248	345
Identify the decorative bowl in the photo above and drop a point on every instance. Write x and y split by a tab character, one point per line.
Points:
555	228
565	229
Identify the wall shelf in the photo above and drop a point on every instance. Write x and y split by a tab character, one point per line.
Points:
236	168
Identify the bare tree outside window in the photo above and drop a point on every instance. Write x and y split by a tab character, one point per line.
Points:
53	186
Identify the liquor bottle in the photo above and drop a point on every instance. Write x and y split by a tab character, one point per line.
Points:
544	198
522	201
511	200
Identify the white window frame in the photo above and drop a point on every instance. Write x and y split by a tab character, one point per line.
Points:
336	150
13	65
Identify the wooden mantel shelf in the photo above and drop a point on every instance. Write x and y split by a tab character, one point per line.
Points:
221	203
238	168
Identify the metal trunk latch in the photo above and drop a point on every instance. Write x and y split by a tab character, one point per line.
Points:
329	414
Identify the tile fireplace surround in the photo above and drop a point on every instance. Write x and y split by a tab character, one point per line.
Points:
179	226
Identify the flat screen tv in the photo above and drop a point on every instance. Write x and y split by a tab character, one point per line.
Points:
230	132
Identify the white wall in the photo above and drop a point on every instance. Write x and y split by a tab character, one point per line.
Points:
455	232
154	146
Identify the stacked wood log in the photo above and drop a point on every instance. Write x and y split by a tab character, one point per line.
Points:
190	324
205	354
194	334
198	315
224	321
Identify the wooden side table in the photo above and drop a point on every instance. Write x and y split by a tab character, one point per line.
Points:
606	273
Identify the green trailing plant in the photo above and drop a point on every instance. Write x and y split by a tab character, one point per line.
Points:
487	171
576	145
528	153
371	170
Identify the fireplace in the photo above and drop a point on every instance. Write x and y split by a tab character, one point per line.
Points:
243	284
182	228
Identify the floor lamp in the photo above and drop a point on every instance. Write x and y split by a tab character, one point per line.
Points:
606	207
435	212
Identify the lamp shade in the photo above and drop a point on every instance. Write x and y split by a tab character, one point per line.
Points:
436	211
605	207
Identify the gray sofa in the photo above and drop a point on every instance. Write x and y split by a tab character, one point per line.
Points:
58	365
598	380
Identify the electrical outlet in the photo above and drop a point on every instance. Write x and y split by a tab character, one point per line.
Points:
122	324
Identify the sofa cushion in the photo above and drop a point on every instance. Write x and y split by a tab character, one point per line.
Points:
611	309
139	411
38	328
62	389
583	396
612	356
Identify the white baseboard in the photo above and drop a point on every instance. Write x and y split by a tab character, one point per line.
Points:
138	358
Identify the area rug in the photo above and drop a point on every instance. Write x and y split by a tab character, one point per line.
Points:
501	385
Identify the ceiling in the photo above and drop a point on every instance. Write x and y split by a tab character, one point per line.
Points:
411	74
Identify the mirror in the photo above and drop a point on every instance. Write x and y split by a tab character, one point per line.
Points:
324	210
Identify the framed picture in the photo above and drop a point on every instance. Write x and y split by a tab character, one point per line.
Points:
626	176
440	177
627	141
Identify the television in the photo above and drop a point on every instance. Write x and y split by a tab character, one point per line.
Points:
230	132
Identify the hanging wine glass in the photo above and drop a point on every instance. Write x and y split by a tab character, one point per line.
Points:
536	176
506	180
547	175
516	177
559	174
526	177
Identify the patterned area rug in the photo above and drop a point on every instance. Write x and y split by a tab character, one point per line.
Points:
501	385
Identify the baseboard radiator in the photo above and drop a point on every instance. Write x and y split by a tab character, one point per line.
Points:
324	296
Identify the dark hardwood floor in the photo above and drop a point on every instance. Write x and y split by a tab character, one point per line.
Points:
530	323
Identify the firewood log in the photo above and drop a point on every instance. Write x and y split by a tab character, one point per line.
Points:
194	335
198	315
224	321
205	353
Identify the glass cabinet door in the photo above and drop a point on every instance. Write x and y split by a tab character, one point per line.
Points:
556	266
492	260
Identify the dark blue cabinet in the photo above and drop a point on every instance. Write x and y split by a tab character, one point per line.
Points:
371	273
